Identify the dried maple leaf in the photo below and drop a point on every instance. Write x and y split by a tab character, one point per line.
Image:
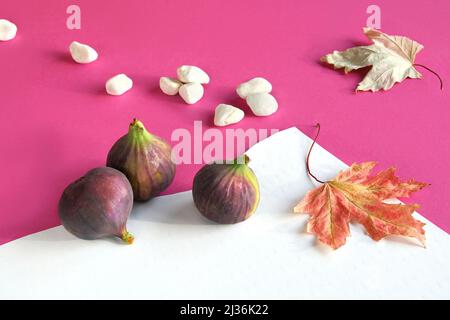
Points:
355	195
391	57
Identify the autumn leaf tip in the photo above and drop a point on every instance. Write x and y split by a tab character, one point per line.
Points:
424	184
422	241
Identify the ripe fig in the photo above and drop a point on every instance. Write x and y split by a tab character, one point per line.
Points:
145	159
226	193
97	205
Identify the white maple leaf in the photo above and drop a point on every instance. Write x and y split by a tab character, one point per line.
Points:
391	57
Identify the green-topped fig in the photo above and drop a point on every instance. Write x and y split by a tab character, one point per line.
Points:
226	192
145	159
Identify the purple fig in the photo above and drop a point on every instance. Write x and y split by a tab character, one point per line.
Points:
226	193
97	205
145	159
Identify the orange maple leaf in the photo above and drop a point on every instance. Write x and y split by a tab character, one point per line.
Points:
355	195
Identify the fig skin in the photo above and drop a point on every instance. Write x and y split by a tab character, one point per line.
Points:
145	159
98	205
226	193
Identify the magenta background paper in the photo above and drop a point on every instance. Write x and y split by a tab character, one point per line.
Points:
57	122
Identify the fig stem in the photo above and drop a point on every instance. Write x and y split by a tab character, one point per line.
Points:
309	153
137	132
433	72
127	237
243	159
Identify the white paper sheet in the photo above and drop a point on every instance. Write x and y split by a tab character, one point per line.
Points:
180	255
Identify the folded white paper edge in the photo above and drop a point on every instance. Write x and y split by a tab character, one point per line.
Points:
178	254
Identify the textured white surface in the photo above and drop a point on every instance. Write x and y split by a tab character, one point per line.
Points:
178	254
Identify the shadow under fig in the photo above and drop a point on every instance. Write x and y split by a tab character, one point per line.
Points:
183	212
52	235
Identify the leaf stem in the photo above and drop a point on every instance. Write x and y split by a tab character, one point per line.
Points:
433	72
309	153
